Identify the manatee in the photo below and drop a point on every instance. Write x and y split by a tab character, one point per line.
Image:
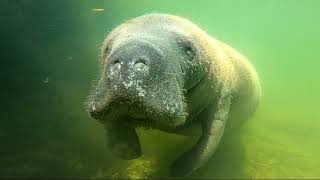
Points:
162	71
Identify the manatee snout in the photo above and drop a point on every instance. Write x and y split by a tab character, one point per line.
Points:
140	83
132	60
126	71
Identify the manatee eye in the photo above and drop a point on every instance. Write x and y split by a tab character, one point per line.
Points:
189	53
107	50
105	53
187	48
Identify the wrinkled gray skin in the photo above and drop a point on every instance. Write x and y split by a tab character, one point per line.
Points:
163	72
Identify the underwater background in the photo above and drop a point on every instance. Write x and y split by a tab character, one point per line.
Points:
49	60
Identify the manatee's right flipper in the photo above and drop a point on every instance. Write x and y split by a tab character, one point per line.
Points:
213	124
123	140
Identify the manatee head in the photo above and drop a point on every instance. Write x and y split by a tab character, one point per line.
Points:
148	66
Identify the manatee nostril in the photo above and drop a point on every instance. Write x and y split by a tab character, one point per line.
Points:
141	60
140	64
116	62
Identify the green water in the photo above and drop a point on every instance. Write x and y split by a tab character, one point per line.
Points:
49	57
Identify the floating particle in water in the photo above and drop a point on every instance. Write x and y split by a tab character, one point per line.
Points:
52	26
70	58
45	80
97	10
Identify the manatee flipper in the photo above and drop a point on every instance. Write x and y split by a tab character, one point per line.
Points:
213	124
123	140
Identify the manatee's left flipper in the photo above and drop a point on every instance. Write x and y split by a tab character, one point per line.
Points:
213	124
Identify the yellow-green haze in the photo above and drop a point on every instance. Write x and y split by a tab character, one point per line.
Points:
49	58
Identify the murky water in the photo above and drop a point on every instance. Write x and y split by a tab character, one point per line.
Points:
49	57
